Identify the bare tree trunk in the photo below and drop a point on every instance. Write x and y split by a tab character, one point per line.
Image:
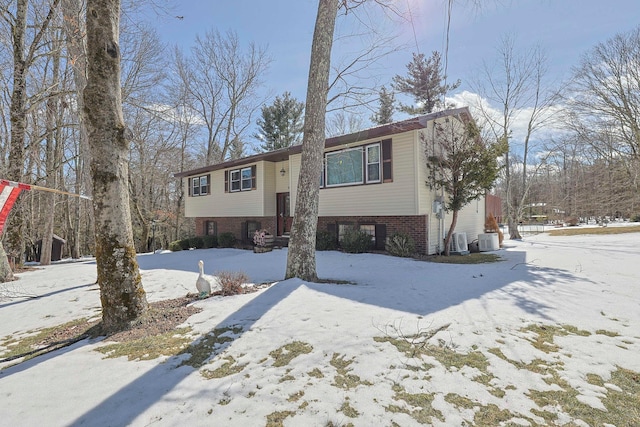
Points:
301	259
122	295
74	28
18	119
51	161
6	275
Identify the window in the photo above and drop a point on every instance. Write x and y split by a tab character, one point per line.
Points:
235	180
373	163
211	228
370	229
344	167
199	185
240	179
353	166
246	179
342	229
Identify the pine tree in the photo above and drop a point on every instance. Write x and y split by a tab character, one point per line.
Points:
281	124
384	114
425	82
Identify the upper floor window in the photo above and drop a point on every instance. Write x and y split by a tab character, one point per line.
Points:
240	179
199	185
360	165
344	167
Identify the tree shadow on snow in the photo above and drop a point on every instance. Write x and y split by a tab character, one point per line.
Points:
403	285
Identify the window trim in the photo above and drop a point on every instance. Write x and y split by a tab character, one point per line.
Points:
326	168
365	180
367	163
237	180
243	180
196	186
247	182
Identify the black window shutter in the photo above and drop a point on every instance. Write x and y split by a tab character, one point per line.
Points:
253	177
381	236
208	183
243	232
226	181
189	181
387	171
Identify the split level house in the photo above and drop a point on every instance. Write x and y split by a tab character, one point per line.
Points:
374	180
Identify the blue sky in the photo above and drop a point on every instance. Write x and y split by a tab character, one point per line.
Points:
565	29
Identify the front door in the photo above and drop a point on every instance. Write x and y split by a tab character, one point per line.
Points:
284	214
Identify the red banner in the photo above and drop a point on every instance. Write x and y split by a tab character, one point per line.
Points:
9	192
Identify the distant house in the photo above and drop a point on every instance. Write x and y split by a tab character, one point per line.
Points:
373	180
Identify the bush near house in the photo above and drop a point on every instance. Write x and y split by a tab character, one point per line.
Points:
184	244
175	246
196	242
325	241
356	241
400	244
210	241
226	240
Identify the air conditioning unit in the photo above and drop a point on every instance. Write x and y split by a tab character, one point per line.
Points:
488	242
458	244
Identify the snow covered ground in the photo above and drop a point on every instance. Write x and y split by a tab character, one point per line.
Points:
539	338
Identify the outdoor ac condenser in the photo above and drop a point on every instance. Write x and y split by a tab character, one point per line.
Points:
488	242
459	244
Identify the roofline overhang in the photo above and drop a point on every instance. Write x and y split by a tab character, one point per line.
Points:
414	123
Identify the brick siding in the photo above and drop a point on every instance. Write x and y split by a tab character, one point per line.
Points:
413	225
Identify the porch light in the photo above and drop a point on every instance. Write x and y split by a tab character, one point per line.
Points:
282	171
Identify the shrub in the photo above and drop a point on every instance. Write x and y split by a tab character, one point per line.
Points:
210	241
226	240
400	244
231	282
573	221
325	241
196	242
175	246
355	241
635	218
184	244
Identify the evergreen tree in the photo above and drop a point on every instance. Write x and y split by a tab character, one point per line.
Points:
384	114
281	124
425	82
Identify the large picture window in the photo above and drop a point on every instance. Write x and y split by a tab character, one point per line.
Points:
199	185
353	166
344	167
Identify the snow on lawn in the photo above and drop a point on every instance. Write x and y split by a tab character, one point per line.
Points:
550	335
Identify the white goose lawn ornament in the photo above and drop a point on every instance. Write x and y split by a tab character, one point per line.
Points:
202	284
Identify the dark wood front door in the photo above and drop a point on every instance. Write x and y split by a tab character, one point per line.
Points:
284	214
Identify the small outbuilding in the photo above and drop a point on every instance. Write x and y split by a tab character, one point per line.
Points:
56	248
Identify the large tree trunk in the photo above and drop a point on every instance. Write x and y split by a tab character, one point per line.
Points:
121	293
18	117
301	259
